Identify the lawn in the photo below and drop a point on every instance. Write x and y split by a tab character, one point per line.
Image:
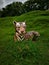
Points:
25	52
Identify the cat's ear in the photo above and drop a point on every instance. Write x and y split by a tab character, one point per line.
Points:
24	23
14	22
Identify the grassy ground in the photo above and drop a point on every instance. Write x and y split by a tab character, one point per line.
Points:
25	52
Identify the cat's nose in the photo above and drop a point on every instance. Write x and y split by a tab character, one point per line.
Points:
22	31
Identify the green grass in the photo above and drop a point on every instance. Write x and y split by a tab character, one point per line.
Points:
25	52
